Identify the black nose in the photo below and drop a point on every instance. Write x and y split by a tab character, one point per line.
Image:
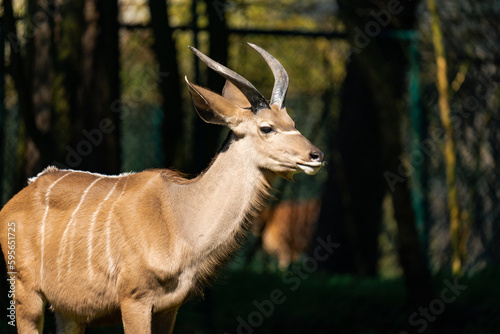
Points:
316	156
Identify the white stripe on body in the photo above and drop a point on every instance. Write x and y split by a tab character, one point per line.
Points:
64	237
44	219
109	256
91	232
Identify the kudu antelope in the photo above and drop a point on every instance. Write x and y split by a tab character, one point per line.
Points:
287	229
138	245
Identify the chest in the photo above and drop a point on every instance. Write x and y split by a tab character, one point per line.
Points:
173	293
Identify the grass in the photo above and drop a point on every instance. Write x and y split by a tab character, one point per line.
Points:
251	302
339	304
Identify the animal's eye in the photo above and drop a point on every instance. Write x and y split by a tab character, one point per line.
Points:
266	129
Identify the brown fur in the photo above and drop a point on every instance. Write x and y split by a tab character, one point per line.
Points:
287	229
94	246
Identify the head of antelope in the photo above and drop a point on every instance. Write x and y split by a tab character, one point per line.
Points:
272	139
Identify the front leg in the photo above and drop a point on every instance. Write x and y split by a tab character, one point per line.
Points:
136	316
163	322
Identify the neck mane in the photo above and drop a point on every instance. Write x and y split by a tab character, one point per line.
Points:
215	209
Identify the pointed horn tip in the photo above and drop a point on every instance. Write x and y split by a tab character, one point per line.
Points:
195	50
190	84
255	46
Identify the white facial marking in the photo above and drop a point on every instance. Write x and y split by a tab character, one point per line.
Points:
291	132
310	168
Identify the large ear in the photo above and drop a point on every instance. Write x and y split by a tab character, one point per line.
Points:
212	107
233	94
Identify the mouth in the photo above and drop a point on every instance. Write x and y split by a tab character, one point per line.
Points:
310	168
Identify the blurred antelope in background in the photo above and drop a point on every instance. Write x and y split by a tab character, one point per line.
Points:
287	229
98	247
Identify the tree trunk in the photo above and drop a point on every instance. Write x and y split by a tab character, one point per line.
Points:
32	70
67	39
373	139
357	213
207	136
96	126
40	151
2	102
164	47
20	75
458	238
